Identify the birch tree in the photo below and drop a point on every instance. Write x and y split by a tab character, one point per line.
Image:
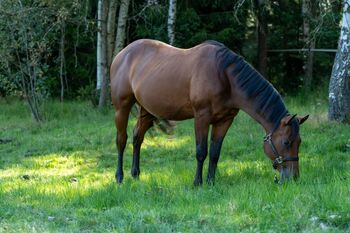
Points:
101	82
171	21
339	86
122	20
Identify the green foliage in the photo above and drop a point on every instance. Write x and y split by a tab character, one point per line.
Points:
59	176
286	33
152	23
31	43
24	55
188	30
88	93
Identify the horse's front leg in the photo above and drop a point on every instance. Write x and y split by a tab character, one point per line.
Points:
218	133
201	131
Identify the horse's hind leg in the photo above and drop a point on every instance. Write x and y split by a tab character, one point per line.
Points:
144	122
121	121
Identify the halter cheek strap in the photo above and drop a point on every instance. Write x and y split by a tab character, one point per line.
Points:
278	158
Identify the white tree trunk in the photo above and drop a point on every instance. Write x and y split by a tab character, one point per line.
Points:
122	19
171	21
339	86
101	85
101	64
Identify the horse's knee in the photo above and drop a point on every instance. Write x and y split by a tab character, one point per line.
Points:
121	141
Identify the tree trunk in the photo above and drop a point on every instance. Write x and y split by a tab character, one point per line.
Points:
112	11
122	19
262	36
62	59
309	41
339	86
102	52
171	21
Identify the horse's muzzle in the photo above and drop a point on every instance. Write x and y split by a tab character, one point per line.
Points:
287	174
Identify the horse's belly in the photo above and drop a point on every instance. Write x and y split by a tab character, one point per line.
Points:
170	105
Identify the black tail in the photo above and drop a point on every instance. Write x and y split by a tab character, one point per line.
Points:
163	125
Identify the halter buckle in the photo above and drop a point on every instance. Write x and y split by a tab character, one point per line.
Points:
279	160
268	138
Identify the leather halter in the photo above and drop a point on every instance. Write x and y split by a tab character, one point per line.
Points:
279	160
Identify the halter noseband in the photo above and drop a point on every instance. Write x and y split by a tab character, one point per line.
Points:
279	159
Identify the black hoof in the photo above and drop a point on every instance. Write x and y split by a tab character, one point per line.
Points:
135	173
119	178
197	182
210	181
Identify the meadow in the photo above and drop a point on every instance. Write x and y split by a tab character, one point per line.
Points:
58	176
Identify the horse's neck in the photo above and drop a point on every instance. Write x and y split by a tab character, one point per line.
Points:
258	117
248	105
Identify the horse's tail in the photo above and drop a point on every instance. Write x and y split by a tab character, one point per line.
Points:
165	126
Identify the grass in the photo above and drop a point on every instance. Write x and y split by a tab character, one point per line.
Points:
59	176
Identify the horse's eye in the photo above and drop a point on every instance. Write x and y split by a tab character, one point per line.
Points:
286	142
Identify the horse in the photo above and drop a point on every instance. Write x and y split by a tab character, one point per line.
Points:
209	83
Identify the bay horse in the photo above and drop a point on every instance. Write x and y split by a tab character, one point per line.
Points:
209	83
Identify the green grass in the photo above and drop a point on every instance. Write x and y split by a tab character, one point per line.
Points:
59	176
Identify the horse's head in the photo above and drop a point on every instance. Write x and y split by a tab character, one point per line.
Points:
282	146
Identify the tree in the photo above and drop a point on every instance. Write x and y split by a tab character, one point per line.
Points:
122	19
63	13
112	11
262	35
106	43
25	48
101	59
171	21
309	40
339	86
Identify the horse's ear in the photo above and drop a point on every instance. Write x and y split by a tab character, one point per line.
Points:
288	119
303	119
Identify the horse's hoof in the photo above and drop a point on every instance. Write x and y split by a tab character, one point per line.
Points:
119	178
135	173
210	181
197	183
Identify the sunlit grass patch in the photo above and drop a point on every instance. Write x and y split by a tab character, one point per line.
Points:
170	142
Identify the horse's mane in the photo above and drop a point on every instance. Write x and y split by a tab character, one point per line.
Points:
268	102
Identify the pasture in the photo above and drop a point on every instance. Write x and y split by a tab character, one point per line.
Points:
59	176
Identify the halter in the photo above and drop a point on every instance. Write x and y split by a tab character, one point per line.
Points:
279	160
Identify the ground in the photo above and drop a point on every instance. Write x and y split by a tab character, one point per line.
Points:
59	176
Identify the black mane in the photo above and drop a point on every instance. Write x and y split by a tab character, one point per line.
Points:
268	102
